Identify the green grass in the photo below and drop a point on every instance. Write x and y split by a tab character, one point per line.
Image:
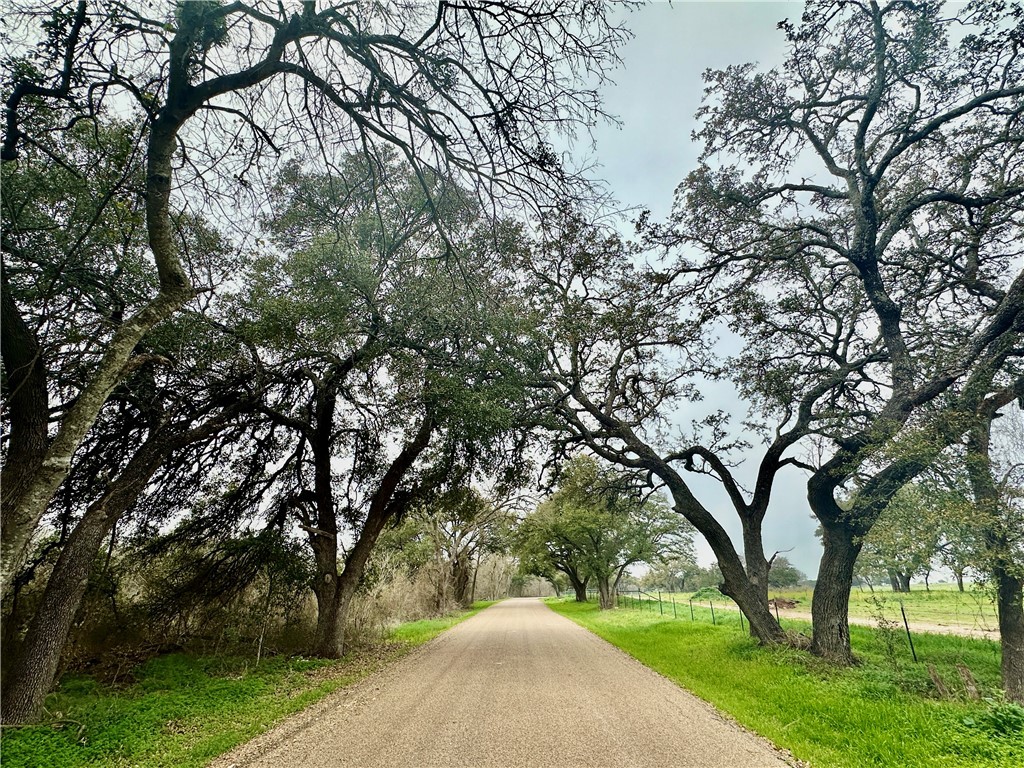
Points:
881	713
943	604
182	711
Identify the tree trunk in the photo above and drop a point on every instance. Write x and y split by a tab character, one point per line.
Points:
328	640
959	576
830	603
460	579
894	581
605	593
1000	552
903	579
384	506
28	406
24	513
579	586
751	598
36	660
1010	601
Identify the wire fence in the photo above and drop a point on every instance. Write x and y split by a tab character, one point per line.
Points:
724	614
727	614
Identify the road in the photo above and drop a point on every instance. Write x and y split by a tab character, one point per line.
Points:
516	685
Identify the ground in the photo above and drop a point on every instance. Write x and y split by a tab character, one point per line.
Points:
515	685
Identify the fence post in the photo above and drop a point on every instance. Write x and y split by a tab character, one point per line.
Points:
909	638
741	622
661	608
777	619
674	614
712	604
691	609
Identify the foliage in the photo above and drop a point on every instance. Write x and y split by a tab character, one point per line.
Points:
783	573
185	710
596	525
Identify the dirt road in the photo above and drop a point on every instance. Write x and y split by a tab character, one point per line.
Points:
516	685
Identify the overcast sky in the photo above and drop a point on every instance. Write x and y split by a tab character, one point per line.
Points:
656	94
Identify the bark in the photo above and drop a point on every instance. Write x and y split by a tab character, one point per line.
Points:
605	593
751	598
28	507
1000	551
329	639
1010	602
579	585
27	406
384	506
34	667
830	602
959	575
461	579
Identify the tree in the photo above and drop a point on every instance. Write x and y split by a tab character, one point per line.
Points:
595	525
74	267
674	574
857	210
905	539
998	486
783	573
624	352
468	90
370	336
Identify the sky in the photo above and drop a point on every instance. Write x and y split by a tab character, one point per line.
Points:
656	93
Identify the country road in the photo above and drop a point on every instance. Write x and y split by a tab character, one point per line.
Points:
516	685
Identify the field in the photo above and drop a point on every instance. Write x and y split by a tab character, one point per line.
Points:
886	712
941	607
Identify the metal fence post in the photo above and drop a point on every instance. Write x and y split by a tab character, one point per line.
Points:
712	604
661	608
909	638
674	614
691	609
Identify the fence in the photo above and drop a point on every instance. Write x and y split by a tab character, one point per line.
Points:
726	614
696	610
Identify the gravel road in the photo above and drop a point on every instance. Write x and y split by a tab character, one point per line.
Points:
516	685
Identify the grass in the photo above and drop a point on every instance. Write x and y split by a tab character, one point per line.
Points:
943	604
884	712
185	710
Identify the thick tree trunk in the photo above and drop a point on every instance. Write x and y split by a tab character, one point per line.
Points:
28	406
605	593
830	603
383	508
24	512
579	586
1010	601
36	660
461	579
1000	552
959	576
329	637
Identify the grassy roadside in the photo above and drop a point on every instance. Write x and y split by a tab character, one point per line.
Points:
885	712
184	710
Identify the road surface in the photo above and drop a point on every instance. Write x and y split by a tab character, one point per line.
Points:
516	685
